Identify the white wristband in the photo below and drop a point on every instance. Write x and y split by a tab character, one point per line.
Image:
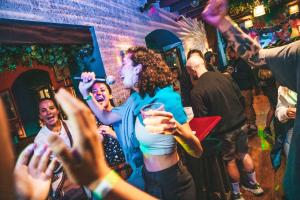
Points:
106	185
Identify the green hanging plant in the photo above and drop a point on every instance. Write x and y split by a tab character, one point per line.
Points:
50	55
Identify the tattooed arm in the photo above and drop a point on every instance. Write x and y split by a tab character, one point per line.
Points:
215	14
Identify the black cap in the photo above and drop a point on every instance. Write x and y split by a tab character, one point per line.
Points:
208	55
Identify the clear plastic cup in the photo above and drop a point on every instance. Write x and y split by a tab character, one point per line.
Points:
151	106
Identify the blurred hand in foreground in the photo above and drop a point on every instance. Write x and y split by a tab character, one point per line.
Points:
33	173
215	11
85	163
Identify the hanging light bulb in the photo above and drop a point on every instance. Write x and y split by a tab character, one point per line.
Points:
248	23
293	9
259	10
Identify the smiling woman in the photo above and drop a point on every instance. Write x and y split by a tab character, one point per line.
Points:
114	155
102	93
49	115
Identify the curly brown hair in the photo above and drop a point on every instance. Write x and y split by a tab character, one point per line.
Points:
155	73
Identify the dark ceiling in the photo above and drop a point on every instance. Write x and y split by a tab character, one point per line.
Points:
193	8
188	8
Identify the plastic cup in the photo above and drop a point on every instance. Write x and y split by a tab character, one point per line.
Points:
189	113
151	106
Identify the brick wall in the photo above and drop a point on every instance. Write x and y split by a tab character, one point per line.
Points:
118	24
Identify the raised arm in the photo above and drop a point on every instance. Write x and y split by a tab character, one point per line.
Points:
215	14
106	117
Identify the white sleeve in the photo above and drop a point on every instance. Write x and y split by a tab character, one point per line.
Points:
41	138
281	108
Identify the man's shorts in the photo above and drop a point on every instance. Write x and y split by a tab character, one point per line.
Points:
234	144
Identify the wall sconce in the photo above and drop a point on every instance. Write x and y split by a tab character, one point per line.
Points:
259	10
293	9
248	23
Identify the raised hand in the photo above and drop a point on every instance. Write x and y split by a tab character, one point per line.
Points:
215	11
88	79
85	163
33	173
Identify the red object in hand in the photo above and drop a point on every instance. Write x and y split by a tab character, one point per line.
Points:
204	125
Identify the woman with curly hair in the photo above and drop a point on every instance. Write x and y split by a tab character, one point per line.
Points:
149	77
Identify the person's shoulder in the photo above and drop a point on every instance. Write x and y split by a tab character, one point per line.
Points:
166	93
212	75
199	87
43	131
66	121
41	136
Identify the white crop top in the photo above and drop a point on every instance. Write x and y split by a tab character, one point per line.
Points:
154	143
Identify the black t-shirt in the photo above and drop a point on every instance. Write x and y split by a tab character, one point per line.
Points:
214	94
211	68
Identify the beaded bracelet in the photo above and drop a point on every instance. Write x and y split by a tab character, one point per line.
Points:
106	185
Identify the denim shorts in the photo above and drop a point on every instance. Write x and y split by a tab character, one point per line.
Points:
234	144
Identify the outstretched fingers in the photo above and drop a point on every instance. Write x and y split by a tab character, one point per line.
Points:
80	117
73	108
50	169
37	155
25	155
44	160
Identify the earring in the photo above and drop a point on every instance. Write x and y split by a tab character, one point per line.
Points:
136	84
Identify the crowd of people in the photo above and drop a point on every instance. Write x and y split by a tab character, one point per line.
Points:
107	152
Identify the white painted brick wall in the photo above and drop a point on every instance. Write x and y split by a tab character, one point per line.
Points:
118	24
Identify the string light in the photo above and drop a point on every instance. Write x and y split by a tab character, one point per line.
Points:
293	9
248	23
259	10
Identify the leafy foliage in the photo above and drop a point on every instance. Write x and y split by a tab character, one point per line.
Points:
245	7
50	55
